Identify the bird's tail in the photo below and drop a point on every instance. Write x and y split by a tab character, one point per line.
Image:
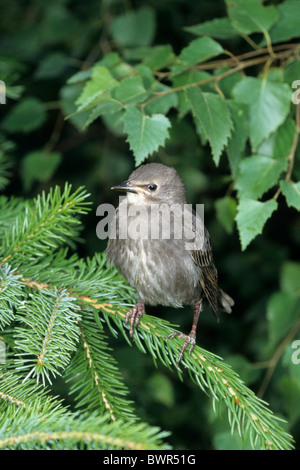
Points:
225	301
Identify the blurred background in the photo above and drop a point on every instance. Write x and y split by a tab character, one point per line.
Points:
42	45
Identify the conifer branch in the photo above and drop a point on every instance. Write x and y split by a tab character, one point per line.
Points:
55	301
93	373
246	412
30	419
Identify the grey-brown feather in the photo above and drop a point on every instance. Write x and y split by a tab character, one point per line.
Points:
164	271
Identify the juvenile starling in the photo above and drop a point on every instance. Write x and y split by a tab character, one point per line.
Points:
165	265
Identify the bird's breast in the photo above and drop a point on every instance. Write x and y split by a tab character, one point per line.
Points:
161	271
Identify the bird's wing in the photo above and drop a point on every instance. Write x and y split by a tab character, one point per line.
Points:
209	275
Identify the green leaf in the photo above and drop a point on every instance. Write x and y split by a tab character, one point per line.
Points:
257	174
103	109
226	212
292	72
288	25
80	76
237	140
291	192
159	57
68	96
198	51
185	78
97	88
211	112
53	65
251	218
26	116
289	389
220	28
39	166
130	90
269	105
162	104
134	28
155	58
279	144
145	133
227	83
250	16
161	389
283	311
290	278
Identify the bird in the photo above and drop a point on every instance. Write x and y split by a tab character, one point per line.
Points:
167	257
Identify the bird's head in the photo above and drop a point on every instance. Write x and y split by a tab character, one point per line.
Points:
153	183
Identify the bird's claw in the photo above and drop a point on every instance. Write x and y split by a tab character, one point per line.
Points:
189	339
134	315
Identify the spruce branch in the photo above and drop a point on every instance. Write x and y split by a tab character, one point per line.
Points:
77	432
5	166
47	334
247	414
56	316
44	225
96	382
31	419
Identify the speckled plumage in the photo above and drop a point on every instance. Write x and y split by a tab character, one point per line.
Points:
164	271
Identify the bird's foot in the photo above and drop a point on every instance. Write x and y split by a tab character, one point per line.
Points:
189	339
134	315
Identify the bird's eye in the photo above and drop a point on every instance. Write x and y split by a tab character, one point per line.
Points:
152	187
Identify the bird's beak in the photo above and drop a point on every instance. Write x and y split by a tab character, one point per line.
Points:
128	187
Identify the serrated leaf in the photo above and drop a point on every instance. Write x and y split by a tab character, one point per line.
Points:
102	109
185	78
279	144
26	116
134	28
68	96
226	212
96	90
250	16
80	76
292	72
145	133
39	166
291	192
53	65
159	57
257	174
290	278
162	104
269	104
211	112
289	389
198	51
280	324
130	90
220	28
251	218
288	25
237	141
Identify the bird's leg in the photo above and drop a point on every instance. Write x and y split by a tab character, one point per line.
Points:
134	314
191	338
